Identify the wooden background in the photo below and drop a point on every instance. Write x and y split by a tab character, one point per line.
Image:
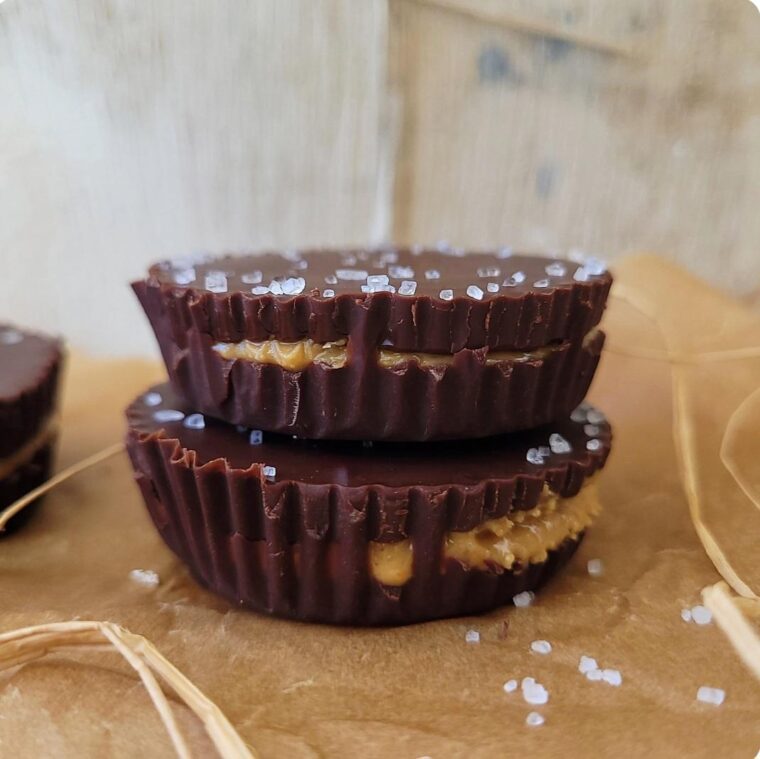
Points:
133	130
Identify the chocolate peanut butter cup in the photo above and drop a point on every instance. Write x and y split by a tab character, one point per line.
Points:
377	344
29	371
365	534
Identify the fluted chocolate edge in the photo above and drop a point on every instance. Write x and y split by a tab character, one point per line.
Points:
406	323
363	401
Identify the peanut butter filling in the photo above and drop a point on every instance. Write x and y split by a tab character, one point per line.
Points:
19	457
523	537
295	357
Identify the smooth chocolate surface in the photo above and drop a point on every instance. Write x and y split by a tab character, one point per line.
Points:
29	370
435	301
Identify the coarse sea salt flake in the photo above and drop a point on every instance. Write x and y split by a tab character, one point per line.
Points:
510	686
152	399
472	636
377	279
252	278
591	430
686	615
10	337
579	415
269	472
558	444
534	719
587	664
475	292
612	677
534	457
432	274
516	279
524	599
701	615
401	272
331	279
407	287
581	275
594	675
492	287
488	271
328	293
168	415
541	283
350	275
216	282
184	276
535	693
446	295
145	577
593	445
260	290
556	269
256	437
595	567
595	416
195	422
541	647
708	695
293	285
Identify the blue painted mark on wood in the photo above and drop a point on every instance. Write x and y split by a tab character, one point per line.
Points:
546	175
494	65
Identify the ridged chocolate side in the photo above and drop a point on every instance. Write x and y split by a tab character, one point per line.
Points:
519	319
28	476
23	413
301	550
363	401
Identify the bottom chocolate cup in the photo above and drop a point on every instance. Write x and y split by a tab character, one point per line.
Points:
27	476
344	533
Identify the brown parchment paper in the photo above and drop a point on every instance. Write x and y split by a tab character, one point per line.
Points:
686	442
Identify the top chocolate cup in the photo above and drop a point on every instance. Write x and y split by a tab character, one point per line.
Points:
414	344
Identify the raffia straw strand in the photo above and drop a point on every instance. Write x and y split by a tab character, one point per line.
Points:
34	642
744	638
7	514
728	462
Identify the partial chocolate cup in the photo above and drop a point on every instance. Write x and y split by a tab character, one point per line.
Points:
286	526
521	353
30	366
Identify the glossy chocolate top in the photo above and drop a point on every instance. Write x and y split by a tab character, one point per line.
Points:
549	453
411	299
25	361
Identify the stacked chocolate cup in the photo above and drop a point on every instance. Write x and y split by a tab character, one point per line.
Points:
372	436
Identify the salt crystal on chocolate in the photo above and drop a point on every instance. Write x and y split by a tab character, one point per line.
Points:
541	283
401	272
168	415
377	279
593	445
475	292
595	567
328	293
446	295
558	444
510	686
556	269
152	399
269	472
492	287
260	290
293	285
331	279
432	274
488	271
472	636
256	437
195	422
407	287
533	456
350	275
252	278
587	664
